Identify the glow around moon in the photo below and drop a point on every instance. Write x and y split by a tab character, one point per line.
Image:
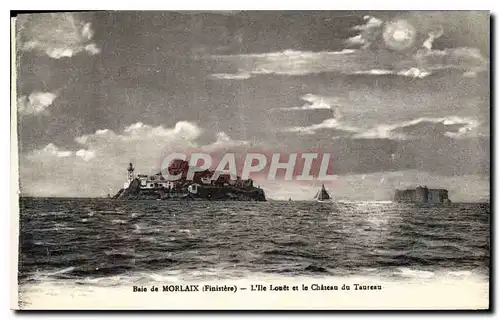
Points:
399	35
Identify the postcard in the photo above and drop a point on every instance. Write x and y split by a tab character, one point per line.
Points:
251	160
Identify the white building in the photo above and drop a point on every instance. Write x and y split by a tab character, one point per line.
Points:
147	181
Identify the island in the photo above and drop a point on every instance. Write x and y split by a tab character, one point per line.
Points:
422	195
200	187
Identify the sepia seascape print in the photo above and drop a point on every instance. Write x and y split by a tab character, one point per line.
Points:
287	160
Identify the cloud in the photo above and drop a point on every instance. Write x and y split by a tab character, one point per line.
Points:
368	31
453	127
138	132
414	73
331	123
354	62
86	155
411	73
421	128
356	41
135	138
101	159
58	35
433	35
37	102
465	59
401	47
470	74
407	31
375	72
315	102
223	141
182	130
49	151
103	156
371	22
421	30
92	49
288	62
231	76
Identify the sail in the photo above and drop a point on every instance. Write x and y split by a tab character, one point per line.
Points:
323	194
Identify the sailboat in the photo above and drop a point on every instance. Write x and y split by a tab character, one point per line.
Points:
323	195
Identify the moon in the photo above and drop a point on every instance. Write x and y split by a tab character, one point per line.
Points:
399	35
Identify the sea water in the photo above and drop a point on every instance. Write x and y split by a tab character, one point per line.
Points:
91	253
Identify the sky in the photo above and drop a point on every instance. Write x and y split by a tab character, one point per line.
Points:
399	99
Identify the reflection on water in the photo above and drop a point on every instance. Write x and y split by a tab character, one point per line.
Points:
102	237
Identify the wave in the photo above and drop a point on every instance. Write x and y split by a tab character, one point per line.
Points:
62	271
414	273
374	239
118	221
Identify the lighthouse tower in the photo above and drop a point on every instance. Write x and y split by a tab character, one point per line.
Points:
130	175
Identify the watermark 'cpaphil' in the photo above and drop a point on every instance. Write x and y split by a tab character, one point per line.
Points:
251	164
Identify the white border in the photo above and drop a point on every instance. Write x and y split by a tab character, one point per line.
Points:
259	5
